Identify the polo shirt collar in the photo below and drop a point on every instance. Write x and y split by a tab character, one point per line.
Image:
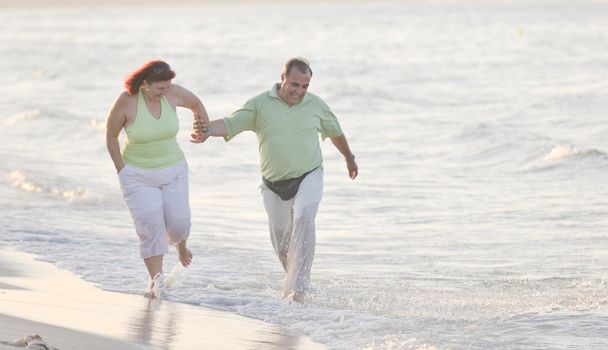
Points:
273	91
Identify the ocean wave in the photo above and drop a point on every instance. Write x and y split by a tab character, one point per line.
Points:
56	136
567	157
562	152
19	180
52	115
499	146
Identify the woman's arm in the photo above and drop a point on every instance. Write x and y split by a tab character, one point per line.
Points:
114	124
185	98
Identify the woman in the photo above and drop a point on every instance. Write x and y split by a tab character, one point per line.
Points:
152	170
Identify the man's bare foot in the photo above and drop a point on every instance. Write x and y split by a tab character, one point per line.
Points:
298	297
185	255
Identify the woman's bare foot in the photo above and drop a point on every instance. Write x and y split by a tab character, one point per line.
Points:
185	255
155	287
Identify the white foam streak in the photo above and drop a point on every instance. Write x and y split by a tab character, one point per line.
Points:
20	181
563	151
20	117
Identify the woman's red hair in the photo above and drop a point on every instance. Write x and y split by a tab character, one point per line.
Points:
152	71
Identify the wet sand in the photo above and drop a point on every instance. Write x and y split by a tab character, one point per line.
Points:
38	298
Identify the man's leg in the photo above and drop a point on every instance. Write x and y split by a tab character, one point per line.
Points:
302	245
279	223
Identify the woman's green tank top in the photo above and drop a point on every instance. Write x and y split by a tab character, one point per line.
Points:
151	142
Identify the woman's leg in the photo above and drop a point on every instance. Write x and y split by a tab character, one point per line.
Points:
177	211
155	269
154	265
144	201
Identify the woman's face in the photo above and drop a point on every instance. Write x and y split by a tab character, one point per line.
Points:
157	88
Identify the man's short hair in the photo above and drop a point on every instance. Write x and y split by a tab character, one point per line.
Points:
300	63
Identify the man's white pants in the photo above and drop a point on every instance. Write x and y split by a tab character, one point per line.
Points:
159	204
292	230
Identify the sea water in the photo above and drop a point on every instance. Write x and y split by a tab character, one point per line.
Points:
479	218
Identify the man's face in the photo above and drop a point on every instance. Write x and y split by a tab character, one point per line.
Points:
294	86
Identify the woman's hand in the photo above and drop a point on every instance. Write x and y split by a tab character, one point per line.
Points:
199	128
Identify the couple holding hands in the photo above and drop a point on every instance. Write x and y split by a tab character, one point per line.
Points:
153	172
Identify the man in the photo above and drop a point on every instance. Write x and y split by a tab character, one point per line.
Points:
287	121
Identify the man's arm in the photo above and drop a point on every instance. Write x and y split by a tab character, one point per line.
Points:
240	120
342	145
204	130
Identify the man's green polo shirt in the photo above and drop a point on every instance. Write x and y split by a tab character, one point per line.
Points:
288	137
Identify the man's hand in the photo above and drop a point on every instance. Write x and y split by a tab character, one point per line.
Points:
342	146
353	169
199	127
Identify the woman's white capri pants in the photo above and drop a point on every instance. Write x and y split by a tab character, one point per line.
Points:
159	204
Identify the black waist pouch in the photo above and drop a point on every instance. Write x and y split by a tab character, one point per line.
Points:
286	189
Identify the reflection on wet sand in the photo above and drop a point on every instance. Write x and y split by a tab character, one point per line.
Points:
171	325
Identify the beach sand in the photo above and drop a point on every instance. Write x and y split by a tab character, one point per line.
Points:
36	297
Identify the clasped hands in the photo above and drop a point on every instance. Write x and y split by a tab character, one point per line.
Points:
201	132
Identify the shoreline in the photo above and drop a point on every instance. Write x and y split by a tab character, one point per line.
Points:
36	297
